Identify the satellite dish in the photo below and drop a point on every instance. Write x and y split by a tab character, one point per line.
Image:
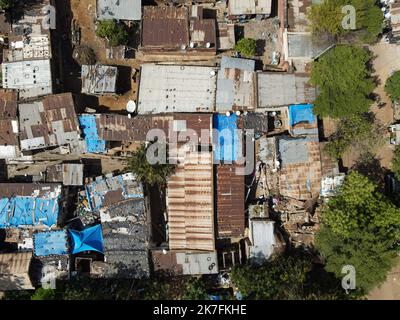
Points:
212	73
208	45
238	113
228	113
131	106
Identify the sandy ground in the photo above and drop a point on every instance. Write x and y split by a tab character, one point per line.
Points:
390	289
84	12
384	64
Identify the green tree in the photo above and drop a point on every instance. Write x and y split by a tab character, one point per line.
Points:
151	174
392	86
344	82
357	131
115	33
44	294
361	228
195	290
247	47
396	163
327	18
286	277
371	255
6	4
359	206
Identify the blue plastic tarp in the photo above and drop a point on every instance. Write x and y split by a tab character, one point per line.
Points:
89	127
50	243
301	113
89	239
28	211
227	140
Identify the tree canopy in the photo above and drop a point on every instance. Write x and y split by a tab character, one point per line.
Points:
396	163
327	17
344	82
6	4
357	131
360	228
291	277
115	33
247	47
149	173
392	86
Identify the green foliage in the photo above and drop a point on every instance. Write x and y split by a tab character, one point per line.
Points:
396	163
195	290
149	173
353	131
371	255
247	47
392	86
6	4
327	17
344	82
358	206
361	228
44	294
115	33
286	277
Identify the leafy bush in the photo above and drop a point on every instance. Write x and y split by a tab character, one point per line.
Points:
247	47
114	32
392	86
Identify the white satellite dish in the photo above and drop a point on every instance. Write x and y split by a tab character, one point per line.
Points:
131	106
238	113
228	113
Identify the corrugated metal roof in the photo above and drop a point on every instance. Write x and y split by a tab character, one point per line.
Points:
99	79
72	174
167	88
119	9
185	263
8	124
190	202
300	175
235	85
230	201
106	191
262	238
165	27
14	271
114	127
282	89
298	15
249	7
49	122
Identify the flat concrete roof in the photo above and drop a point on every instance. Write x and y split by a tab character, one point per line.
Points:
170	88
119	9
31	77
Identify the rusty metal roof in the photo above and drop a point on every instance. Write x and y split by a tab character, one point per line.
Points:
115	127
302	179
165	27
190	202
49	122
36	190
14	271
230	201
297	15
8	118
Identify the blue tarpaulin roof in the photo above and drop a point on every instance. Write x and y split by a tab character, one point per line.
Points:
50	243
301	113
28	211
226	145
89	239
93	142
